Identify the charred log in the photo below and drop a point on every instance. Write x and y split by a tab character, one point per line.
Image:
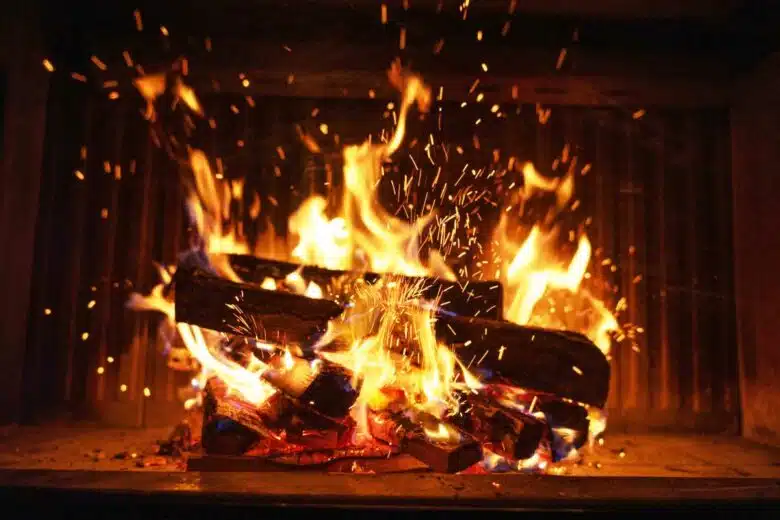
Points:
319	385
475	298
509	433
215	303
455	452
231	425
564	364
569	425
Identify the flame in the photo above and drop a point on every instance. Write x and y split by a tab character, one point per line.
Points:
365	234
390	330
533	271
386	337
203	345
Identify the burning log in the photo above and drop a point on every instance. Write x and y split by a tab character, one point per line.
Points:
444	448
319	385
215	303
231	425
569	424
475	298
509	433
565	364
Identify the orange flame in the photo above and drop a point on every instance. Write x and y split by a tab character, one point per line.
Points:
533	270
390	330
364	229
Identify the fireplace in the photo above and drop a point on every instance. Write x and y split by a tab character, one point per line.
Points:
402	254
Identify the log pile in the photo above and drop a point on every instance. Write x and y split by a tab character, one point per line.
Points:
538	383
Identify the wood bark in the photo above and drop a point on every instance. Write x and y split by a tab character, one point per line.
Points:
475	298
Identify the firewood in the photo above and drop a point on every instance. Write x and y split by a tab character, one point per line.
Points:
565	364
230	424
455	453
475	298
569	425
509	433
319	385
215	303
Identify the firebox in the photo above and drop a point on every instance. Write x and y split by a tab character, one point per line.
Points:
409	254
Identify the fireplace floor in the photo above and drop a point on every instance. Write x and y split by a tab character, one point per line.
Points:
61	465
90	448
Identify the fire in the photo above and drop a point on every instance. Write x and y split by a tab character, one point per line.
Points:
386	337
390	330
533	270
203	346
365	235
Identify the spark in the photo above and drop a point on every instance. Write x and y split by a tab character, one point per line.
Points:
139	24
110	359
147	392
324	129
505	28
164	30
47	311
484	67
638	114
480	97
100	370
78	77
98	63
48	65
123	388
561	58
479	36
577	370
91	304
84	336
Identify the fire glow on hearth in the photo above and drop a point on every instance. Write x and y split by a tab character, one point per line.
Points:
359	341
